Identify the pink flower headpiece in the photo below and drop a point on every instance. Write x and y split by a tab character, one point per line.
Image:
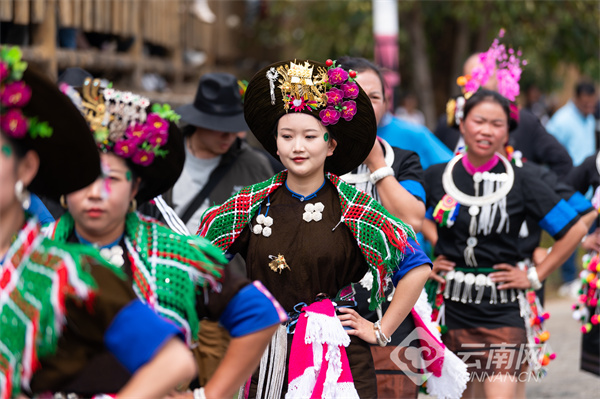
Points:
504	63
331	90
15	95
120	123
497	60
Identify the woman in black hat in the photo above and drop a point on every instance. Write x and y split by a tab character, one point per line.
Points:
307	235
47	290
182	278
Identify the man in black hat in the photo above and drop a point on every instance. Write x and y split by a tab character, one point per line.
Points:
218	163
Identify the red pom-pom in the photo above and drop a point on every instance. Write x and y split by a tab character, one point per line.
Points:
594	319
329	62
546	316
537	340
552	356
352	74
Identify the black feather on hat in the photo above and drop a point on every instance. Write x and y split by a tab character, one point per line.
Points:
264	104
69	160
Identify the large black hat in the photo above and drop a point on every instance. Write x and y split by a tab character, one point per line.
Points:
69	160
145	135
217	105
325	91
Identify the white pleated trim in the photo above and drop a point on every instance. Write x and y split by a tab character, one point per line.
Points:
454	378
322	329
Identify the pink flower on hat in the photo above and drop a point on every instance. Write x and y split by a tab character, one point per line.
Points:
337	76
14	123
348	110
125	148
329	116
334	96
158	139
350	90
156	123
16	94
3	71
136	133
143	157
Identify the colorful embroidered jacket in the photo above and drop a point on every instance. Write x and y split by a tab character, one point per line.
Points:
381	237
35	280
167	267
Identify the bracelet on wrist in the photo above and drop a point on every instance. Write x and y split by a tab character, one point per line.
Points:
380	174
534	279
382	340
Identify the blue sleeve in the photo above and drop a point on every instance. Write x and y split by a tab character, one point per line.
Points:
558	218
137	333
579	203
415	188
38	208
413	258
429	213
252	309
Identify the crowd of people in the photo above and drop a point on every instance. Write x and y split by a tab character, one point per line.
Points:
148	252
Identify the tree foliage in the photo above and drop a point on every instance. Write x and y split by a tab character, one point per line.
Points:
550	33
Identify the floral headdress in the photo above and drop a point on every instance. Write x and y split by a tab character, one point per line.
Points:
120	122
332	90
504	63
15	95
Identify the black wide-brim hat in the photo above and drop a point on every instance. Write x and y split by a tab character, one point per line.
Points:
69	160
355	138
217	105
163	172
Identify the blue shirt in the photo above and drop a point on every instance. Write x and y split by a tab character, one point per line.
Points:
417	138
574	131
38	209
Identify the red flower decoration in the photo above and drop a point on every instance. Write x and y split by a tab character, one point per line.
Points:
329	116
3	71
158	139
335	96
352	74
337	76
16	94
348	110
329	62
14	124
136	133
143	157
156	123
350	90
297	104
125	148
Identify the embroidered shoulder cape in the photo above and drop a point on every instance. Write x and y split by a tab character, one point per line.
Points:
381	237
36	279
167	267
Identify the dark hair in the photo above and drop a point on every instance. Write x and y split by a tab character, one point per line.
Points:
586	88
188	130
482	95
360	64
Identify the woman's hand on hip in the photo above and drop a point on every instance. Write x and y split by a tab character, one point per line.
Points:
510	277
359	326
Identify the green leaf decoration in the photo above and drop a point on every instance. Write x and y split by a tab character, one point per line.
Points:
161	153
39	129
165	112
101	135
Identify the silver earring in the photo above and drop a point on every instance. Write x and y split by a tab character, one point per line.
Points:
22	194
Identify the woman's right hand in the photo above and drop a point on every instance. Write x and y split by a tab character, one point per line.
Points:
441	264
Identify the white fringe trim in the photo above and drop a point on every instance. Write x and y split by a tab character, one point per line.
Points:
324	329
454	378
453	381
